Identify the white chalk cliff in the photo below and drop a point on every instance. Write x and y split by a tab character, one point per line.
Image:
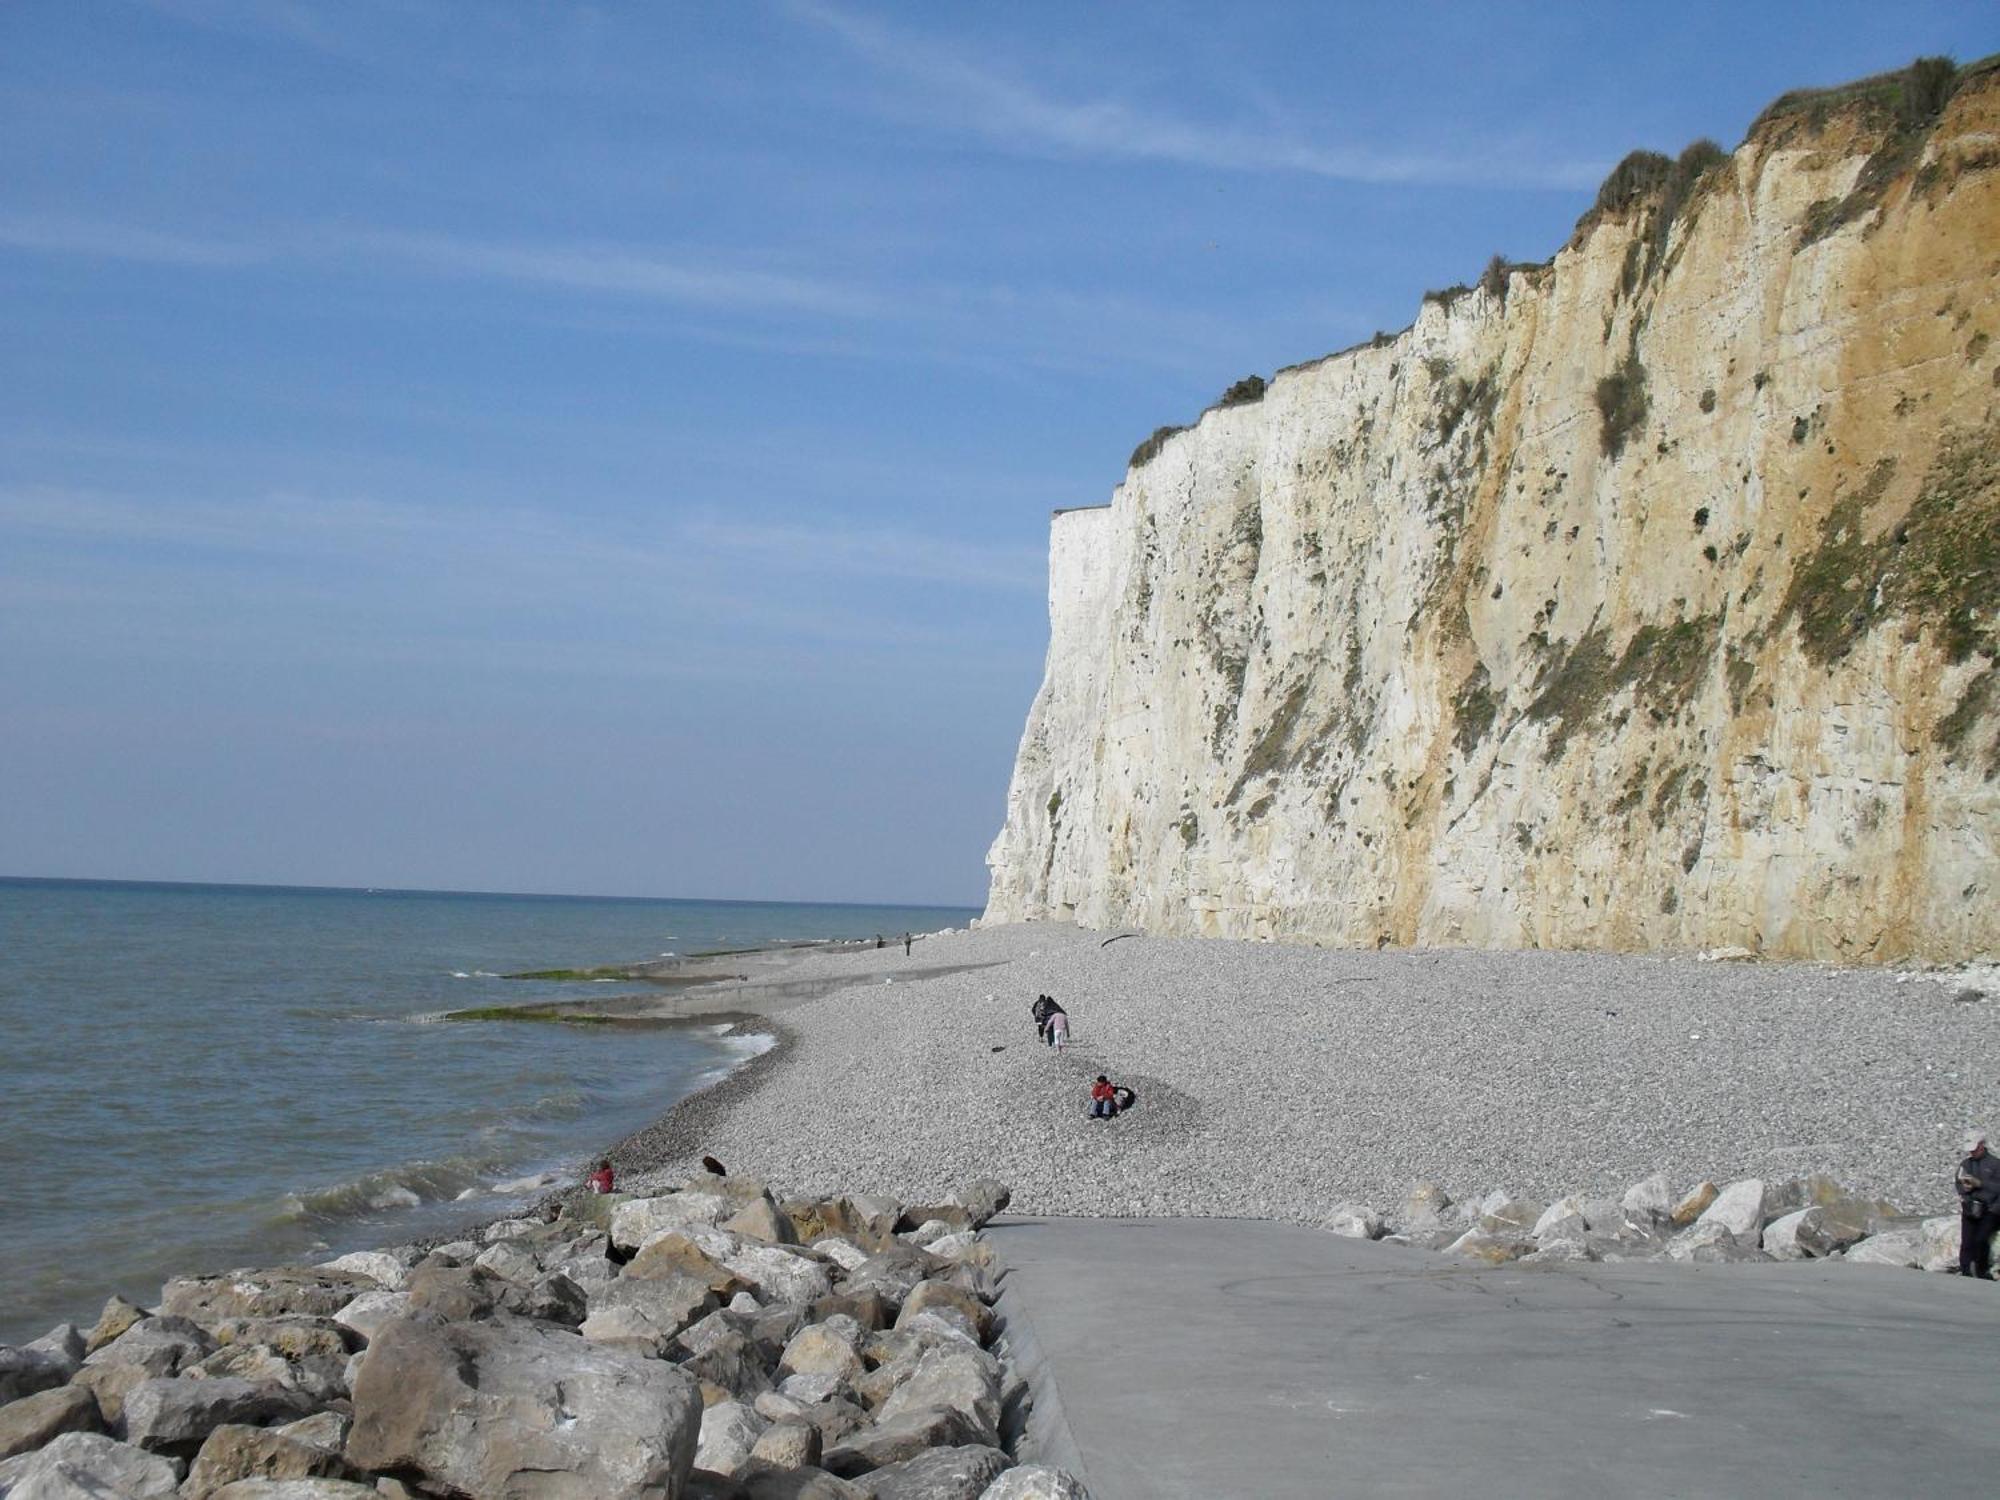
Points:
1644	599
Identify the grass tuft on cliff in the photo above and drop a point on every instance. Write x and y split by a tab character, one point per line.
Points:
1621	404
1938	566
1664	665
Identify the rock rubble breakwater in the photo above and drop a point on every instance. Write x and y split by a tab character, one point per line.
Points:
1800	1218
715	1341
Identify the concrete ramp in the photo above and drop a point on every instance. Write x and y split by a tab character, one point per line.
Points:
1218	1357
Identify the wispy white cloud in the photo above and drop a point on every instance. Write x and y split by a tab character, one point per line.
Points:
1017	115
1001	327
720	283
617	269
475	587
44	235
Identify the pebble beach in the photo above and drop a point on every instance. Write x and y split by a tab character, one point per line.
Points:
1275	1081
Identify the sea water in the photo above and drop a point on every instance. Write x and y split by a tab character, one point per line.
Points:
196	1077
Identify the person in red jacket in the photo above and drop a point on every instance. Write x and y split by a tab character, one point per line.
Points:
600	1180
1103	1099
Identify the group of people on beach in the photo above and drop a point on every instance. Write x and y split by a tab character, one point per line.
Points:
1051	1022
1107	1099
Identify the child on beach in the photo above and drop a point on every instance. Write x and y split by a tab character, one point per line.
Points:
600	1180
1044	1007
1103	1099
1058	1029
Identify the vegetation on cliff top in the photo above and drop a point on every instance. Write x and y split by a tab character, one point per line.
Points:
1904	106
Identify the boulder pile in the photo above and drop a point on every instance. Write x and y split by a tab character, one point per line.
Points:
1800	1218
713	1342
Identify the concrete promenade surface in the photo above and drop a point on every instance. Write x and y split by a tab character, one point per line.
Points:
1220	1357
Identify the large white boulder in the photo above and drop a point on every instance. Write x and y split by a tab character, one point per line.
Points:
1893	1247
637	1218
1738	1208
175	1412
729	1431
1937	1243
29	1423
1649	1196
1802	1234
645	1314
1561	1220
1500	1212
818	1349
86	1466
159	1346
1354	1221
781	1275
1036	1482
371	1310
505	1407
956	1378
269	1292
1495	1249
380	1267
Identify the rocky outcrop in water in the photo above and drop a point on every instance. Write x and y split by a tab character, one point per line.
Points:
1642	599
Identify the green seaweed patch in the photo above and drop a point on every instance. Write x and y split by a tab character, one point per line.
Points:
1663	665
528	1013
573	975
1939	566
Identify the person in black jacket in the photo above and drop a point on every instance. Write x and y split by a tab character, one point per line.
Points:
1978	1185
1040	1009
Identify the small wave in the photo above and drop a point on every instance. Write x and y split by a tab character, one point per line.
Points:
751	1044
569	1104
404	1186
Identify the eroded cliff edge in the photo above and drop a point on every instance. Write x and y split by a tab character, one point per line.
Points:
1646	598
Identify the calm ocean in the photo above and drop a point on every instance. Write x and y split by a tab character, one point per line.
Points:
194	1077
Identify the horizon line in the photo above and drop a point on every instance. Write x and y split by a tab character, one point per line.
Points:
388	890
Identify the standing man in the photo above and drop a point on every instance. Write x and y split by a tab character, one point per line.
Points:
906	945
1978	1207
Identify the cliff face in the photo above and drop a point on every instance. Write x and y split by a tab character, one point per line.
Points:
1646	599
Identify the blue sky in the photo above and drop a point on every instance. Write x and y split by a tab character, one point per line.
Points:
609	448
